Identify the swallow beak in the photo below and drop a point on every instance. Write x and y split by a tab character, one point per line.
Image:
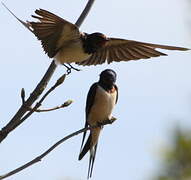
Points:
106	39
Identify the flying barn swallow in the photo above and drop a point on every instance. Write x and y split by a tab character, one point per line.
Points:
64	42
101	99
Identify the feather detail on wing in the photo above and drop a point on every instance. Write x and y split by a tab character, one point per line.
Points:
53	31
126	50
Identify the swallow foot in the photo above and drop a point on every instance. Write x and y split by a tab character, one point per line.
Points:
107	121
110	121
113	119
100	124
69	68
72	67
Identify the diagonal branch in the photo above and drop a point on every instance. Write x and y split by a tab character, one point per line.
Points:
84	13
33	97
15	121
40	157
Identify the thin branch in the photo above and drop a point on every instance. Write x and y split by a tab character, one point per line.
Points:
40	157
23	95
38	104
66	104
15	121
84	13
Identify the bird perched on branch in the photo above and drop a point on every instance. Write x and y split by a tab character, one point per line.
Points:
101	99
64	42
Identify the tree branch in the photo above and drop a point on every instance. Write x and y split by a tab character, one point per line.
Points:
40	157
23	95
65	104
84	13
38	104
15	121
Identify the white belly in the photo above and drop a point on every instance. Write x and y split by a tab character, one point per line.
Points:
103	105
71	53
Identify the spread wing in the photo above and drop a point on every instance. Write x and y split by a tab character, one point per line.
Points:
126	50
53	31
89	103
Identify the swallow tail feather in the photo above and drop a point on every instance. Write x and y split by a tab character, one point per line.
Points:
91	161
86	148
91	145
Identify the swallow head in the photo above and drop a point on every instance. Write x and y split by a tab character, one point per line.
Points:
108	78
94	41
98	38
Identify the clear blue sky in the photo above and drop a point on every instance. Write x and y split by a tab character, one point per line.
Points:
154	95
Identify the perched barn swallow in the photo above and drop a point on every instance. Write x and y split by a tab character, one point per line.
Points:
100	102
64	42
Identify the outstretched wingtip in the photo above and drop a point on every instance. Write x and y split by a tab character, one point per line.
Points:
6	7
26	24
185	49
173	48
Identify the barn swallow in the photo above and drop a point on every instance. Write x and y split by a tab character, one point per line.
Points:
64	42
101	99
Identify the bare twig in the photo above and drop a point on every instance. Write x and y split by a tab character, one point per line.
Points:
16	120
40	157
23	95
66	104
38	104
84	13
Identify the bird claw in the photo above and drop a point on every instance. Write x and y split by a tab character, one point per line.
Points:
107	121
72	67
100	124
68	71
69	68
110	121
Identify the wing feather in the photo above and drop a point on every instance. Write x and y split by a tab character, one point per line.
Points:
142	53
89	103
125	54
53	31
111	56
103	56
150	51
126	50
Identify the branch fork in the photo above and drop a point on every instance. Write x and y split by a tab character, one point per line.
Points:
40	157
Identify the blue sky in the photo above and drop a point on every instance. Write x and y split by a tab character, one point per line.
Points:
154	95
